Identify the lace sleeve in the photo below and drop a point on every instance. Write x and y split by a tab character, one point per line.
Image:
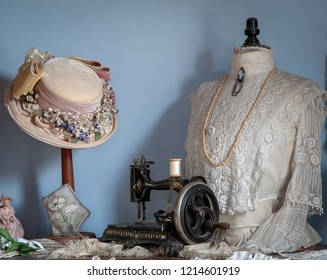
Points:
283	230
305	186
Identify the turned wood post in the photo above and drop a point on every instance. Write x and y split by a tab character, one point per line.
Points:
67	167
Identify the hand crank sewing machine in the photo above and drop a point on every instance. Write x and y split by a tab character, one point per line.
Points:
193	219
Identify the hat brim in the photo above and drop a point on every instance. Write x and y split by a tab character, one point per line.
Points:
28	125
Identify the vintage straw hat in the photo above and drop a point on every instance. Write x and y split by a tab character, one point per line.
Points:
64	102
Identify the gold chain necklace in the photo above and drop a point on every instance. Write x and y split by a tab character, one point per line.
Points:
239	133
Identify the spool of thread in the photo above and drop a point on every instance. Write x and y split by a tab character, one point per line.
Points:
175	167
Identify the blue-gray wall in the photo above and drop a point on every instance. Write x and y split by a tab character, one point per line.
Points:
159	52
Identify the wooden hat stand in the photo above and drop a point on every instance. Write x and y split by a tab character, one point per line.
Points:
68	178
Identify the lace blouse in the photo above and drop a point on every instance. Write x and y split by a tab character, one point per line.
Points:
273	181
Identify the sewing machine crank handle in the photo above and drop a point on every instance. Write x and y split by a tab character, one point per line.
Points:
215	225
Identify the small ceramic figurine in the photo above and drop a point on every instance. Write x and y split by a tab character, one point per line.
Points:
8	220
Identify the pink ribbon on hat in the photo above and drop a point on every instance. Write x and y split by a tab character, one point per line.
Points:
47	100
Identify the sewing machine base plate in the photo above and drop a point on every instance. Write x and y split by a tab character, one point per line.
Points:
145	233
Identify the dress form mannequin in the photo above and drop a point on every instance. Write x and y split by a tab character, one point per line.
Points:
262	161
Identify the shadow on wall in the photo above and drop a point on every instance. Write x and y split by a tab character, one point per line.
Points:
21	156
174	123
173	130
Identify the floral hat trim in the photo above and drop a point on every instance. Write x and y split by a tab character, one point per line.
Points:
72	127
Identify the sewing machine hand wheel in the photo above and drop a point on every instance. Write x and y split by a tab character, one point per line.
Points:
196	213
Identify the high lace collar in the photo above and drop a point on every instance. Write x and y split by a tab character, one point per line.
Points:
256	61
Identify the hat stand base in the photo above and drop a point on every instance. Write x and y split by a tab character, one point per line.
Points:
72	237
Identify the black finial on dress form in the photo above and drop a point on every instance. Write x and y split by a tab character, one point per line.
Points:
251	31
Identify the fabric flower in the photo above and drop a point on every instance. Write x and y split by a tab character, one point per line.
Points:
57	203
71	208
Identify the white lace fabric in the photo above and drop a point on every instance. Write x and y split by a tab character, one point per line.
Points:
284	231
277	158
